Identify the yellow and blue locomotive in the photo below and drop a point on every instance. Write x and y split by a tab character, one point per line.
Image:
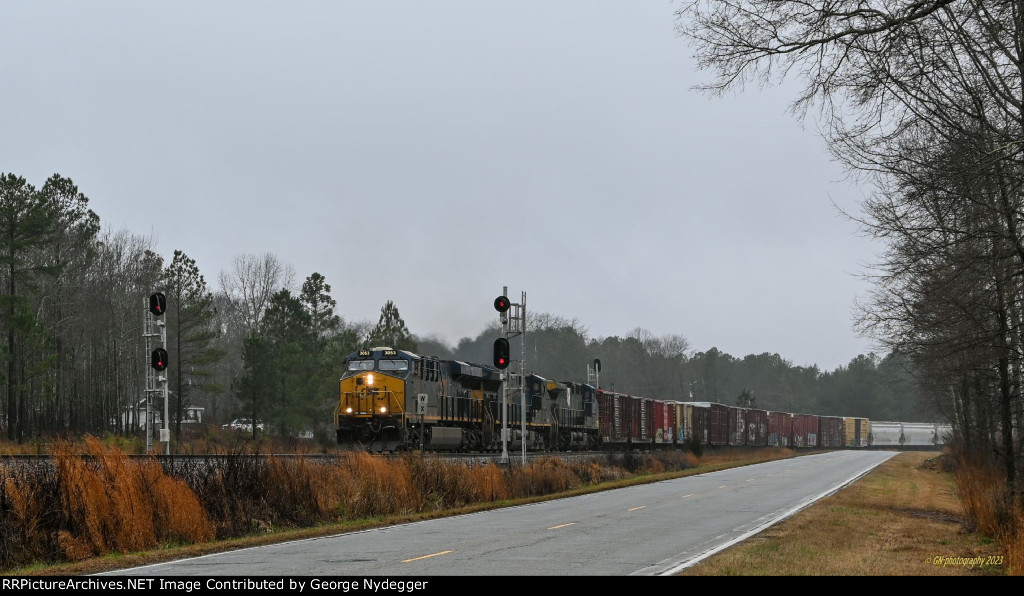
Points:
393	400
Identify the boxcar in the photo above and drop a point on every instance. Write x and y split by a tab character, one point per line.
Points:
737	426
757	427
805	430
612	412
664	422
780	429
856	431
625	419
692	422
679	415
643	429
717	421
830	432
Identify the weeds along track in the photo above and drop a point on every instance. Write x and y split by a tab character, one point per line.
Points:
90	500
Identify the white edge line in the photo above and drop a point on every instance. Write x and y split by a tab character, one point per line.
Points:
790	513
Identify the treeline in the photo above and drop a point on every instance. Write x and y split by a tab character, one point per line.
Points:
266	346
72	306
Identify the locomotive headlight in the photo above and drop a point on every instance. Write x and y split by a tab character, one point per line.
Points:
383	409
348	410
369	379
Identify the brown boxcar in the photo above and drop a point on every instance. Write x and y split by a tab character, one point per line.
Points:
701	423
612	415
625	419
805	430
780	429
643	429
757	427
635	422
830	432
737	426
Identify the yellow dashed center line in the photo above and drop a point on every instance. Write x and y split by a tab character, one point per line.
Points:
562	526
444	552
635	508
689	495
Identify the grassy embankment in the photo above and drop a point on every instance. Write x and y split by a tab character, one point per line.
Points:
104	511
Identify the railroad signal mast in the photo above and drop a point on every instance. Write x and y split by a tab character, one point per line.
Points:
513	323
153	318
594	374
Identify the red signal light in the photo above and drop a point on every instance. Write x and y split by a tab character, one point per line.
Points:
158	359
501	304
157	303
501	356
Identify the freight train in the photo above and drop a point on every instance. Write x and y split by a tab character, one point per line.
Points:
395	400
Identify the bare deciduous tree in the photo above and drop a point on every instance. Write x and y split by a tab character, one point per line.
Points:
923	99
251	284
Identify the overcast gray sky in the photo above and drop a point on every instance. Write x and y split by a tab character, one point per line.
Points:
431	153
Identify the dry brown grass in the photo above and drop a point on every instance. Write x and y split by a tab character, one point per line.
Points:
904	518
178	514
28	507
545	476
982	490
1013	543
372	487
114	504
990	507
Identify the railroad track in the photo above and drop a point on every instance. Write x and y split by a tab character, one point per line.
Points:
497	458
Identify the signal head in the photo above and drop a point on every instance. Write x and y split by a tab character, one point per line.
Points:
157	304
501	304
501	353
158	359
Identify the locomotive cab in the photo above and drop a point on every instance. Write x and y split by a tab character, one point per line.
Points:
392	400
372	402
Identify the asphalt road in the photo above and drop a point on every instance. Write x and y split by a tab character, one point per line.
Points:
652	529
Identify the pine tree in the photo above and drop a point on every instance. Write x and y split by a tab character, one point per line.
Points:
316	296
292	369
190	318
27	224
746	399
391	331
